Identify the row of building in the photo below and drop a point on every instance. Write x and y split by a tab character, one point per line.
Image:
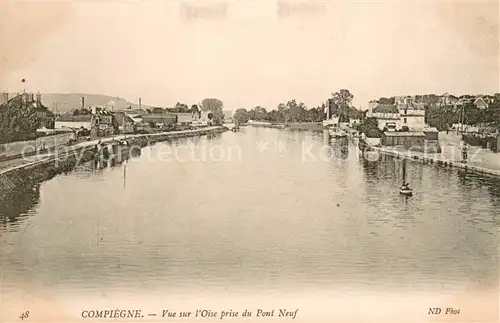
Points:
402	122
403	112
409	111
103	120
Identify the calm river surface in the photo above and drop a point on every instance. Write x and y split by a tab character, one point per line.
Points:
264	210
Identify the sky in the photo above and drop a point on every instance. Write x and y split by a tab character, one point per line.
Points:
251	55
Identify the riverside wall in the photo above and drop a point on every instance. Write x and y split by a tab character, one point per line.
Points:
438	161
34	172
23	148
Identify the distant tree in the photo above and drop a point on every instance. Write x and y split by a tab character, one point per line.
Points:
369	127
273	116
214	106
181	108
343	99
158	111
386	100
18	121
314	114
441	117
241	115
492	114
296	111
258	113
430	99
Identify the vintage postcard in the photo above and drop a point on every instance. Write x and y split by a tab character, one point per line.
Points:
249	161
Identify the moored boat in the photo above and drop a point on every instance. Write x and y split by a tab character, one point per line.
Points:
405	188
337	133
405	191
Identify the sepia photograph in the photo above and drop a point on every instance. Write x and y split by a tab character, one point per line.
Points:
249	161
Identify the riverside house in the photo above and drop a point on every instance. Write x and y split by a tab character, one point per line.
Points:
100	123
404	112
387	115
125	123
160	120
71	121
413	140
184	118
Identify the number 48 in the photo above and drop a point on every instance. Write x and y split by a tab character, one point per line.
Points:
25	315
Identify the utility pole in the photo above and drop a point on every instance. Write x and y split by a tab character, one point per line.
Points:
328	109
463	118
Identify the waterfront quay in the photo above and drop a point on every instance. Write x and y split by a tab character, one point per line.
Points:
480	160
441	160
64	158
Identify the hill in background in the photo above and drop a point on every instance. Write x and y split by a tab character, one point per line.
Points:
65	102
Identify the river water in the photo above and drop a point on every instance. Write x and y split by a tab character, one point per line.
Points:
257	213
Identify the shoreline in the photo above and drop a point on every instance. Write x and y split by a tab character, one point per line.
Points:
55	164
438	161
292	126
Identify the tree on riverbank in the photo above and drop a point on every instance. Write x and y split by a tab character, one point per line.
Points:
241	115
284	113
179	108
18	121
443	117
215	107
369	127
343	99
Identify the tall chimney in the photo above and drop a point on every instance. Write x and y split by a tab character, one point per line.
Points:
83	102
140	103
38	99
4	98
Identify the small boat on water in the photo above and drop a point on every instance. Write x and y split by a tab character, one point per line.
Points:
234	128
405	188
337	133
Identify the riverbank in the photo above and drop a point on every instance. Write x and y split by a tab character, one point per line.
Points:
66	158
474	164
309	126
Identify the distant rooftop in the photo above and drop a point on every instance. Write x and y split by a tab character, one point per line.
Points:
386	108
72	118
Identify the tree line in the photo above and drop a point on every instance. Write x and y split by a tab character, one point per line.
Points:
339	104
443	117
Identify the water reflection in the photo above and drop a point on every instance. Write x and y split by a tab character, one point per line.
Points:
269	222
17	202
